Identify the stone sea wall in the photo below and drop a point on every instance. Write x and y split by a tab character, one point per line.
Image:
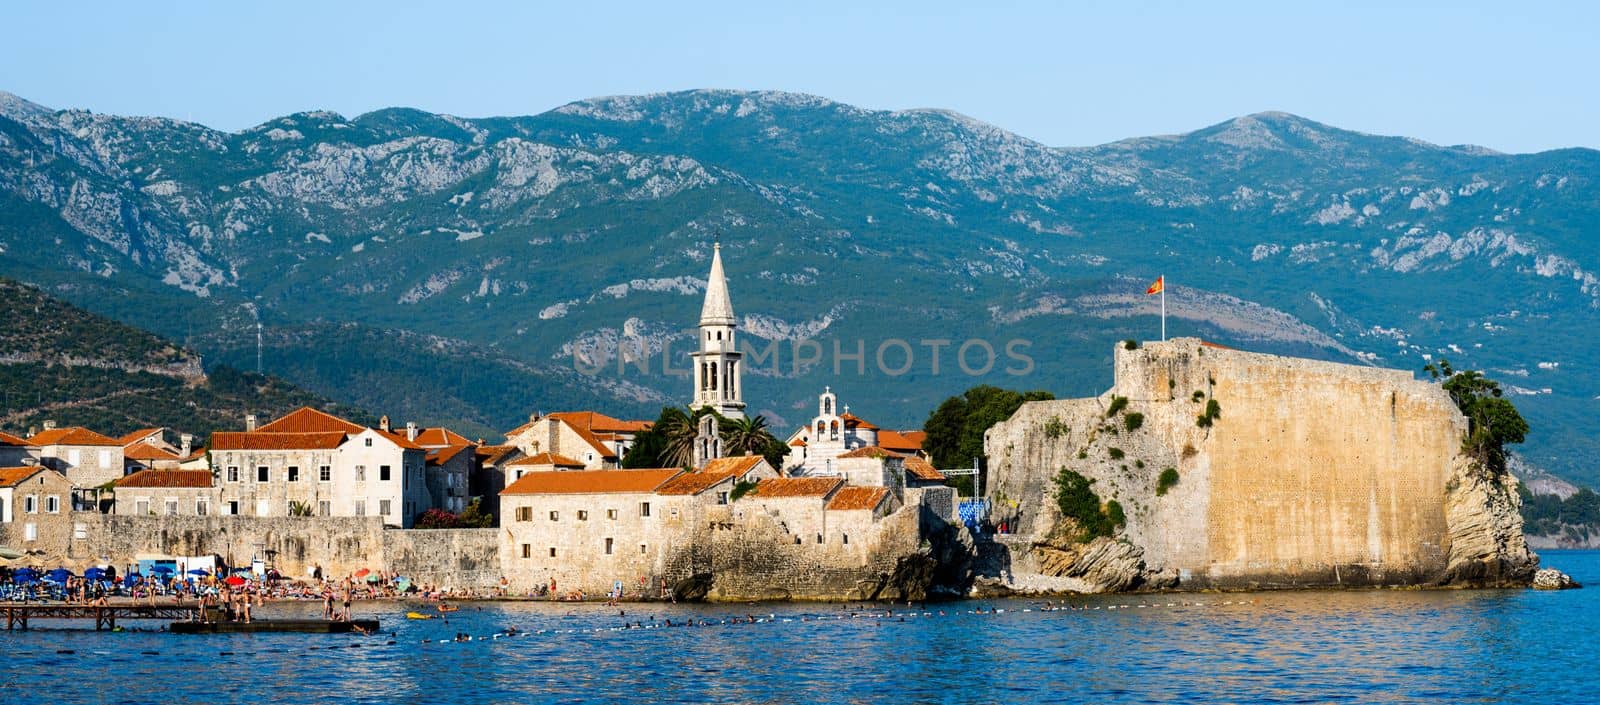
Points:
1312	474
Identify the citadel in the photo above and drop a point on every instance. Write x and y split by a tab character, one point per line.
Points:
1212	468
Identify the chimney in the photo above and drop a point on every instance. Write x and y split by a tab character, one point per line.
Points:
383	424
187	444
30	462
33	431
249	422
411	430
50	425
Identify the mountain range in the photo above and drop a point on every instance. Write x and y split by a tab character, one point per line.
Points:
469	271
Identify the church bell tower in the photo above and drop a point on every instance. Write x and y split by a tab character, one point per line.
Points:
717	360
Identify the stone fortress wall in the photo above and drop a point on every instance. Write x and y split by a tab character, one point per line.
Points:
1314	474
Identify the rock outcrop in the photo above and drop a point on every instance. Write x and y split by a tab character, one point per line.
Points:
1552	579
1241	470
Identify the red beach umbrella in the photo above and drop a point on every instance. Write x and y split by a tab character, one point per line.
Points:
362	573
234	580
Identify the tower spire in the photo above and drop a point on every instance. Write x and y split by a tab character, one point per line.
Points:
718	309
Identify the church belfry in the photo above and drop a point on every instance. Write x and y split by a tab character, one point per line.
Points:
717	361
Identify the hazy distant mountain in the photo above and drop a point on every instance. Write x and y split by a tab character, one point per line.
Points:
463	262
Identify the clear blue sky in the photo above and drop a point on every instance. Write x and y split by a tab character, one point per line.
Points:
1515	76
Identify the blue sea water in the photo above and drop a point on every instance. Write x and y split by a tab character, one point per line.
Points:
1378	646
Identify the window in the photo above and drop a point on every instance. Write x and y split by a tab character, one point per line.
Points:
644	509
384	506
325	473
172	507
141	507
583	515
202	507
524	514
846	538
611	513
30	532
233	473
233	508
263	474
819	538
527	550
361	473
323	508
555	516
608	547
722	498
361	507
383	473
552	551
52	504
30	504
294	473
369	442
641	548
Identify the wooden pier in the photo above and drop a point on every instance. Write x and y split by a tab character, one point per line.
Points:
18	616
311	626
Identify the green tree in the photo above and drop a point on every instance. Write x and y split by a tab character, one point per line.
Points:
1492	420
955	429
668	444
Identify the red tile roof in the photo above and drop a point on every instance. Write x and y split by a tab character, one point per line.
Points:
923	470
241	440
797	486
7	439
308	420
71	436
798	442
849	498
489	455
399	439
591	482
853	420
139	435
738	465
11	477
145	451
193	479
871	452
902	441
692	483
556	459
441	437
443	455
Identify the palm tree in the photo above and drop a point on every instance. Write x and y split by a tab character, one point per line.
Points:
748	434
677	431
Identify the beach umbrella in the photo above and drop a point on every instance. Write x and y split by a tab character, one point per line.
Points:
24	576
362	573
131	578
374	579
234	580
164	570
60	575
200	572
94	573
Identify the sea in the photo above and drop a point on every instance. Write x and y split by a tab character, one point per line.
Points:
1356	646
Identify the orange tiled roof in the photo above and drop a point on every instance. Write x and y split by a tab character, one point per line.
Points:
871	452
738	464
244	440
853	420
857	498
11	477
583	422
923	470
308	420
399	438
194	479
902	441
798	442
71	436
139	435
441	437
145	451
692	483
489	455
443	455
556	459
797	486
7	439
591	482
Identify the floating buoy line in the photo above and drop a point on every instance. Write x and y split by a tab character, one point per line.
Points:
878	616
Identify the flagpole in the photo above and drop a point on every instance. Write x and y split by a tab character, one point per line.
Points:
1163	308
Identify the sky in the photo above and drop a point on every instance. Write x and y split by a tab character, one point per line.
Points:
1512	76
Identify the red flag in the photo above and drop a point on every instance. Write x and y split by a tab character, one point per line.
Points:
1156	287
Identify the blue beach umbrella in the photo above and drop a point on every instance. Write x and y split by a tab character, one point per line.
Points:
94	574
200	572
60	575
24	576
131	578
164	570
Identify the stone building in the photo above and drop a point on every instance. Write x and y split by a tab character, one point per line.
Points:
835	432
148	448
166	493
14	450
88	459
583	528
35	507
717	362
310	463
594	439
490	473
